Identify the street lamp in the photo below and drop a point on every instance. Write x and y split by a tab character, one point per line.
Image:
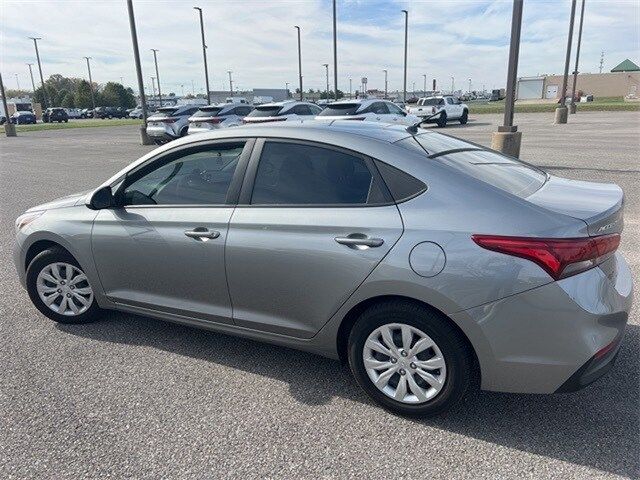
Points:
155	59
424	91
453	85
286	88
469	86
33	84
153	86
17	81
335	55
385	83
572	107
44	90
350	79
299	60
93	99
562	111
204	55
9	128
406	37
326	66
230	82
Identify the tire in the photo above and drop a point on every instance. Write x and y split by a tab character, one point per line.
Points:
44	260
453	378
184	131
464	118
442	120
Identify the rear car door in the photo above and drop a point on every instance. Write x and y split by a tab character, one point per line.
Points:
163	249
312	222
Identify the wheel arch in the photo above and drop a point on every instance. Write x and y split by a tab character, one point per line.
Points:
352	315
38	247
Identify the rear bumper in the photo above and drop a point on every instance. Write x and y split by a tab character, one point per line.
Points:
548	339
161	132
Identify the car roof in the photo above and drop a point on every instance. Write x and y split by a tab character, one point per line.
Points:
287	103
358	101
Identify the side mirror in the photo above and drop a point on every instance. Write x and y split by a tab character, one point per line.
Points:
101	199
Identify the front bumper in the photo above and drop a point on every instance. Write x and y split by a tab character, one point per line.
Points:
546	339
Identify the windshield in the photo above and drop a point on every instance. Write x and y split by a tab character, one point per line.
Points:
271	111
430	102
339	110
208	112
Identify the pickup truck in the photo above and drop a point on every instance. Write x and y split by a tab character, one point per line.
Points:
440	110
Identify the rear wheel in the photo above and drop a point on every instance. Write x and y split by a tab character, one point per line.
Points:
464	118
409	359
59	288
442	120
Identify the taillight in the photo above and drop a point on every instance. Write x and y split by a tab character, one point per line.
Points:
207	120
353	118
257	120
168	120
559	257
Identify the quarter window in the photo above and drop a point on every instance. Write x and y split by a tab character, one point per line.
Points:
296	174
199	177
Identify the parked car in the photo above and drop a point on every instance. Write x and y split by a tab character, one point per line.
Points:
169	123
22	118
213	117
109	112
283	111
441	109
74	112
425	262
3	119
236	100
86	113
371	110
137	112
55	114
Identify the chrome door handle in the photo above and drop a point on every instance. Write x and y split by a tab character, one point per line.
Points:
202	233
357	240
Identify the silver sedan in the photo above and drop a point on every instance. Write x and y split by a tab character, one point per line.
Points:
427	263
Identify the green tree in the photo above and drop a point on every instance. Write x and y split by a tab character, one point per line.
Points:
67	101
115	95
82	95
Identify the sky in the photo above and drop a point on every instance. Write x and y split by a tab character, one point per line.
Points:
256	40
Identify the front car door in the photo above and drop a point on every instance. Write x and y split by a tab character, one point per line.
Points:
163	249
313	221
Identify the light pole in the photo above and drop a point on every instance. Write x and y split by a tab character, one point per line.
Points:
230	82
469	86
572	107
44	90
350	79
406	37
17	81
136	56
153	86
204	55
414	89
453	85
507	138
299	60
562	112
335	54
386	83
33	84
9	128
286	88
326	66
424	90
93	99
155	59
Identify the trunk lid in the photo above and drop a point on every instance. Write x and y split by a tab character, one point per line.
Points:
599	205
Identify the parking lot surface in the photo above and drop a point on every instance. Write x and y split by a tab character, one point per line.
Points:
131	397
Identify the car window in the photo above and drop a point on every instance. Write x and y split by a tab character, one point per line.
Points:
379	108
207	112
201	177
396	110
339	109
243	111
450	101
315	110
401	185
430	143
270	111
297	174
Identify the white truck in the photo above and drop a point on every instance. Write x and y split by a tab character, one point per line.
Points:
441	109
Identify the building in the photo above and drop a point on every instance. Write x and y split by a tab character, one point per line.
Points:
622	81
260	94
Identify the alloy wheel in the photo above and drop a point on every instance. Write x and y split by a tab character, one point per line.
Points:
64	288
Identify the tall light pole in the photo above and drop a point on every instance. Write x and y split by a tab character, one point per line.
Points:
93	98
424	91
414	89
230	82
9	128
286	89
469	86
386	83
44	90
507	138
299	60
326	66
155	59
406	38
335	54
17	81
153	87
453	85
204	55
572	107
350	80
136	56
562	112
33	84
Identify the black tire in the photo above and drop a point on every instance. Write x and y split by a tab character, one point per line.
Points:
455	350
442	120
184	131
464	118
47	257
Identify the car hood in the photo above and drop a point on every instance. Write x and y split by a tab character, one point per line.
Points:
68	201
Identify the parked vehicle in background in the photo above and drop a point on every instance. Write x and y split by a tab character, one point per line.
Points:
86	113
213	117
371	110
55	114
23	118
260	99
441	109
3	119
497	95
109	112
236	100
169	123
74	112
283	111
428	264
137	112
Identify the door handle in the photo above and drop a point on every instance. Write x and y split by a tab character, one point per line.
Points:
358	240
202	233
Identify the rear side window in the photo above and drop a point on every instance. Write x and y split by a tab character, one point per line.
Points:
340	109
401	185
265	112
505	173
300	174
431	102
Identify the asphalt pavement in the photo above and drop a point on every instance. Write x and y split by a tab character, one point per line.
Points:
132	397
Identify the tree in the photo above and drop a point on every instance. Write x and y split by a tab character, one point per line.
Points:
324	94
115	95
67	101
82	95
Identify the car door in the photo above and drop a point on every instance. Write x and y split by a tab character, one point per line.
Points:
163	249
313	221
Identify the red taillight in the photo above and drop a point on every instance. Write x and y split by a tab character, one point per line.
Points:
168	120
207	120
559	257
259	120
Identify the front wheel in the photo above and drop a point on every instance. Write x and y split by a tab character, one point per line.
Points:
60	289
442	120
409	359
464	118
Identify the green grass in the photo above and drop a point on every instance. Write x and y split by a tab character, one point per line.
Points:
88	123
601	104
